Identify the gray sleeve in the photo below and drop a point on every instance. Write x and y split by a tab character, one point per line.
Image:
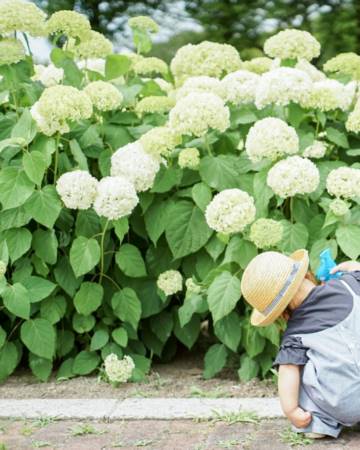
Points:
354	280
292	351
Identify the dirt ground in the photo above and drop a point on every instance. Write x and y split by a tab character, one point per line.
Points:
180	378
163	435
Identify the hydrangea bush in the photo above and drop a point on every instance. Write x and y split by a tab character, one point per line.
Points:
133	194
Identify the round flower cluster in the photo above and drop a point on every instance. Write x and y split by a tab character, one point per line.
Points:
265	233
208	58
271	138
344	64
93	64
164	85
353	121
201	84
118	370
70	23
148	66
57	105
292	44
143	23
338	207
192	287
48	75
154	104
258	65
170	282
134	164
3	268
189	158
240	87
344	182
160	141
18	15
282	86
94	46
293	175
316	150
230	211
329	94
77	189
104	96
197	112
314	73
116	197
11	51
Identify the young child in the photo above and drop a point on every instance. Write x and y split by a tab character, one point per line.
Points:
319	357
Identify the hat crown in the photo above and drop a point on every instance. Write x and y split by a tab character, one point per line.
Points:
264	277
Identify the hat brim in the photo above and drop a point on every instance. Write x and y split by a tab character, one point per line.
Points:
260	320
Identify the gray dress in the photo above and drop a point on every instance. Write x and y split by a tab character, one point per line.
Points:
323	336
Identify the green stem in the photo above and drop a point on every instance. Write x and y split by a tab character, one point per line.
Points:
291	209
110	279
102	251
56	161
207	145
27	43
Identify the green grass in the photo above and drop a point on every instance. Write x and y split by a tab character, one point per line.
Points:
81	430
40	444
229	443
293	439
215	393
236	417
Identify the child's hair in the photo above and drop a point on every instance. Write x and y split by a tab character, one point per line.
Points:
310	276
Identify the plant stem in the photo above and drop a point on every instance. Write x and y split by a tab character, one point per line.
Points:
291	209
110	279
27	43
102	251
56	161
207	145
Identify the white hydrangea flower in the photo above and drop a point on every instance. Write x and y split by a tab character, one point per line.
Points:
147	66
314	73
230	211
189	158
3	268
103	95
144	23
338	207
116	197
353	121
265	233
94	46
201	84
258	65
11	51
170	282
48	75
293	175
208	58
18	15
93	64
344	63
164	85
154	104
70	23
77	189
240	86
133	163
197	112
316	150
292	44
118	370
192	287
282	86
329	94
160	141
271	138
344	182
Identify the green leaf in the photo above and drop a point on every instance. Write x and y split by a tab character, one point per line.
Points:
215	360
85	362
228	330
2	336
84	255
201	194
44	206
45	244
130	261
127	306
253	341
221	172
116	66
186	229
72	74
16	300
40	367
189	333
65	342
83	324
193	304
215	247
348	238
295	236
8	360
166	179
53	309
248	368
240	251
99	340
155	220
78	155
88	298
35	165
142	40
25	127
272	333
38	288
223	294
65	370
87	223
317	247
120	336
64	276
162	325
121	227
15	187
39	337
337	137
18	242
14	218
111	347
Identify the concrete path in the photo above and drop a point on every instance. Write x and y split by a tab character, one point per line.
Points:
135	408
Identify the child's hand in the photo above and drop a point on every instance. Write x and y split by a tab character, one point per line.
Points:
346	266
299	418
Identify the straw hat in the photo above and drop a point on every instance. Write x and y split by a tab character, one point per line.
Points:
270	281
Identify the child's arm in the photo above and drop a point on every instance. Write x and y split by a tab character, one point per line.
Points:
288	385
346	266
